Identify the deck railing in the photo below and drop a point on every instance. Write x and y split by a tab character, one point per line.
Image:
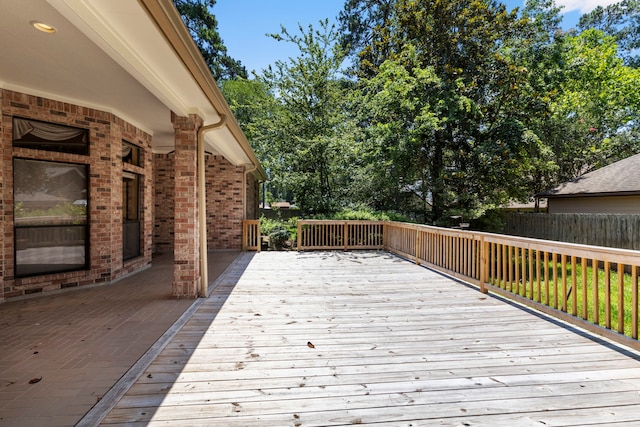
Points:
251	238
593	287
346	235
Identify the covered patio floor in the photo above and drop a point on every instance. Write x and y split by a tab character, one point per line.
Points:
368	338
61	353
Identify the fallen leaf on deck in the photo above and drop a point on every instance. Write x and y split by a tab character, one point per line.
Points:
35	380
310	345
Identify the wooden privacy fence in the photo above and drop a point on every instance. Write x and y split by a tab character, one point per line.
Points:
593	287
610	230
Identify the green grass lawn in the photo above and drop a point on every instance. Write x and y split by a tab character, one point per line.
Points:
553	292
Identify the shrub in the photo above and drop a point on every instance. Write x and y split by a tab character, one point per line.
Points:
278	239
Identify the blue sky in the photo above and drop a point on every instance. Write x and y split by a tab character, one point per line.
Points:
243	24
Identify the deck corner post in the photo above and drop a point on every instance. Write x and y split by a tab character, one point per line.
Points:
299	245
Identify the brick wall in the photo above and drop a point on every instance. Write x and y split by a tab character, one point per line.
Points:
224	203
164	206
106	132
2	197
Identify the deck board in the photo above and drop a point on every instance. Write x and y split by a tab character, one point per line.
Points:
393	344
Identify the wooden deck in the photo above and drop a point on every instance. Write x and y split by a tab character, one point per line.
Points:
367	338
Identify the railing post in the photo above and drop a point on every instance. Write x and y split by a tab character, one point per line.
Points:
345	235
245	235
299	245
484	265
418	240
385	239
258	236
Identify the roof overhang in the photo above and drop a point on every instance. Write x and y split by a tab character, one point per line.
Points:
132	58
575	195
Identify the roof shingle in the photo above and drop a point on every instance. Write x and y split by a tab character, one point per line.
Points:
622	177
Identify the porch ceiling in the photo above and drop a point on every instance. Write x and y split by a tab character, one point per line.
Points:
109	55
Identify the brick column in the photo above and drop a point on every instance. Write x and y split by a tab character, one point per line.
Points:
4	229
186	267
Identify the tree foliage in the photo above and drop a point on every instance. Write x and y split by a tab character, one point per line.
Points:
308	130
620	20
203	26
452	107
475	133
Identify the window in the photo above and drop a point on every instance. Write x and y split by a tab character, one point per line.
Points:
130	215
50	211
49	136
130	154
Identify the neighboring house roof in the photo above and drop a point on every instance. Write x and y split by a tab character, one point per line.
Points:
620	178
132	58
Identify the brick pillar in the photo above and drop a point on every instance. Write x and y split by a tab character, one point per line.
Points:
4	229
186	267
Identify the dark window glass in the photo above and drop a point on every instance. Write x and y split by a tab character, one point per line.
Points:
130	215
131	154
50	208
49	136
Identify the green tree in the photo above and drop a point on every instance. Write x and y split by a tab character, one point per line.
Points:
358	21
257	110
620	20
395	144
203	26
307	131
600	98
475	150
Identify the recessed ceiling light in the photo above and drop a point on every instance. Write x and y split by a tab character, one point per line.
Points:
43	27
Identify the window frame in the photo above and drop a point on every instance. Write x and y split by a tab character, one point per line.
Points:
86	225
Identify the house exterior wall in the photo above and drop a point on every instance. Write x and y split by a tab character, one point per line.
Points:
224	202
163	202
604	204
106	132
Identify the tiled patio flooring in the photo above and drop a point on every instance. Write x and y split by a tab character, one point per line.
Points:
77	344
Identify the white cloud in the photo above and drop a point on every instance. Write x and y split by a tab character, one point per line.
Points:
583	6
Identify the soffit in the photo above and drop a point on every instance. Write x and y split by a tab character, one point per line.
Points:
108	55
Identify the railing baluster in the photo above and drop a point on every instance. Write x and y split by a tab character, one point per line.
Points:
538	279
546	278
554	265
596	292
620	298
565	296
585	303
634	302
607	295
574	286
